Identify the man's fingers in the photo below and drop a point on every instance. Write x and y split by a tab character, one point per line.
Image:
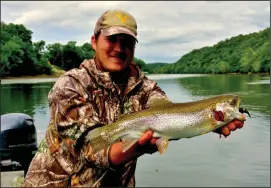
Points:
225	131
153	141
147	143
151	146
231	126
145	138
238	124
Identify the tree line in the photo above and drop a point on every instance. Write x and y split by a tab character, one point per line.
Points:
20	56
240	54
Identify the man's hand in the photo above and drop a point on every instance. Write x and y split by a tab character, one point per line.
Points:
232	126
145	144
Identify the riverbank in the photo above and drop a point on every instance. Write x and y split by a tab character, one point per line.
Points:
57	72
57	75
32	77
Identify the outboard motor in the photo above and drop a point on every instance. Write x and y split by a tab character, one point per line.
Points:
18	141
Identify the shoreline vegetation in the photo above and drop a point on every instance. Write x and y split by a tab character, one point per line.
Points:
56	72
22	58
58	75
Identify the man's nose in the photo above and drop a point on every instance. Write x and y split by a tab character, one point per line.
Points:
119	45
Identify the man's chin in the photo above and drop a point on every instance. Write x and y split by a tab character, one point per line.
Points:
118	66
115	67
117	60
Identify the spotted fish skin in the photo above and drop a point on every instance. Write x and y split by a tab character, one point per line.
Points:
170	121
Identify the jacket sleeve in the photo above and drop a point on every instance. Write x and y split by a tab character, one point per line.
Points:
73	114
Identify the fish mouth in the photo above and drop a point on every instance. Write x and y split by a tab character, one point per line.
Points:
243	110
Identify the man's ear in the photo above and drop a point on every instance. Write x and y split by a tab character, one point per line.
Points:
93	42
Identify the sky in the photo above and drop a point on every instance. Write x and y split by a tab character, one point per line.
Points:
166	30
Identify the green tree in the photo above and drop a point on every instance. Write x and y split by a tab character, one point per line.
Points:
264	56
88	51
55	54
222	67
39	48
141	64
11	56
72	56
242	53
246	61
19	54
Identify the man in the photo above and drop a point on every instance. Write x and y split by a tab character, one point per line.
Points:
94	95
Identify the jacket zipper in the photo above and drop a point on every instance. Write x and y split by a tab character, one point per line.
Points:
122	99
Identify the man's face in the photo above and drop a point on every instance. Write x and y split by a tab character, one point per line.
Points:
114	53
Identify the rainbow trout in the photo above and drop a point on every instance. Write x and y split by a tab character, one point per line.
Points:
169	121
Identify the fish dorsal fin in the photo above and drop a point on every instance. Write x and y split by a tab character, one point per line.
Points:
159	102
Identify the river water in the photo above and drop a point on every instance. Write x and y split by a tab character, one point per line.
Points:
242	159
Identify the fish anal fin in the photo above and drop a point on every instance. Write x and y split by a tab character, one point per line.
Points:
162	145
127	143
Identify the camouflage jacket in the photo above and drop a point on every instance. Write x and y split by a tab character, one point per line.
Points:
79	101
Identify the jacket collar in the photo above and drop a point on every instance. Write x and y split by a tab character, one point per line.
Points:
103	78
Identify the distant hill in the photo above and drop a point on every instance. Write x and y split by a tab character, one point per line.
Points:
154	67
239	54
20	56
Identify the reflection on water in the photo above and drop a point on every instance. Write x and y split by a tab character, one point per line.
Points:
30	99
242	159
255	97
24	98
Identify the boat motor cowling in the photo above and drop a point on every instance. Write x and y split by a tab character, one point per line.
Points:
18	141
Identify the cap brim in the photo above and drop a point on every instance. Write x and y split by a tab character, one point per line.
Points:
117	30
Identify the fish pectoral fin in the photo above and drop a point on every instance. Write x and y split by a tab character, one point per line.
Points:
162	145
97	144
96	141
127	143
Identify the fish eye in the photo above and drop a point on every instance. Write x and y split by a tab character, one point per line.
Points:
234	102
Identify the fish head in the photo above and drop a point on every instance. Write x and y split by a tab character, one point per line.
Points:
227	109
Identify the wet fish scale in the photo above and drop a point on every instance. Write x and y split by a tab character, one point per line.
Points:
173	121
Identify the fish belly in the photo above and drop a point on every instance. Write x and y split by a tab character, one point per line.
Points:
172	126
181	126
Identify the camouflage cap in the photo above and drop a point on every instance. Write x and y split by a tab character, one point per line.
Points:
116	22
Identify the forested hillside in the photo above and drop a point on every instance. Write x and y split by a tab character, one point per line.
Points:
19	55
22	57
240	54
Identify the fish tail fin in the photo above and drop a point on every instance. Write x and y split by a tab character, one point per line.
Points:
94	138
